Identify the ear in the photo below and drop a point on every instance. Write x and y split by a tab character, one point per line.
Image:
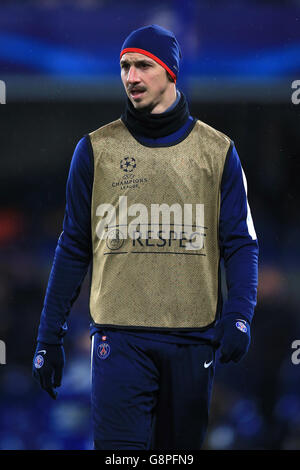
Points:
169	77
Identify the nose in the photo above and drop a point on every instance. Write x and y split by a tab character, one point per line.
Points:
133	75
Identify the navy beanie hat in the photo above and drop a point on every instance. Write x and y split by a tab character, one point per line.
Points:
157	43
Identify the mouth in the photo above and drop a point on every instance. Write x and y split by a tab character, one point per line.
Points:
137	94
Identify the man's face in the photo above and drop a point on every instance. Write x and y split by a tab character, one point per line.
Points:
145	81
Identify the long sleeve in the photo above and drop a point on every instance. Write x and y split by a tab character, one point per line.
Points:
238	241
73	252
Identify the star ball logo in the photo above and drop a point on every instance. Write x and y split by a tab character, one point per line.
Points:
2	92
128	180
128	164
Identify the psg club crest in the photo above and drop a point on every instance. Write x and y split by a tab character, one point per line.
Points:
103	350
241	326
39	361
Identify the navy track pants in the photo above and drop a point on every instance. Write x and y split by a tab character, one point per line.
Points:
149	394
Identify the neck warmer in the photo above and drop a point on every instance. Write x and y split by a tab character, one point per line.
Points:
143	123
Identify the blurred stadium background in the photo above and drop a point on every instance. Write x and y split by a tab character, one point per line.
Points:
60	62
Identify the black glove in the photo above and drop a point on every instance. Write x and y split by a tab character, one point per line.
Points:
232	334
48	364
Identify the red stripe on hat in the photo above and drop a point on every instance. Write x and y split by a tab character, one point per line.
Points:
152	56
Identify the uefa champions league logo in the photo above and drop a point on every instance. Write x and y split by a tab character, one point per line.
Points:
128	164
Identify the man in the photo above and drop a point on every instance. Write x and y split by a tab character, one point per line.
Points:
155	199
